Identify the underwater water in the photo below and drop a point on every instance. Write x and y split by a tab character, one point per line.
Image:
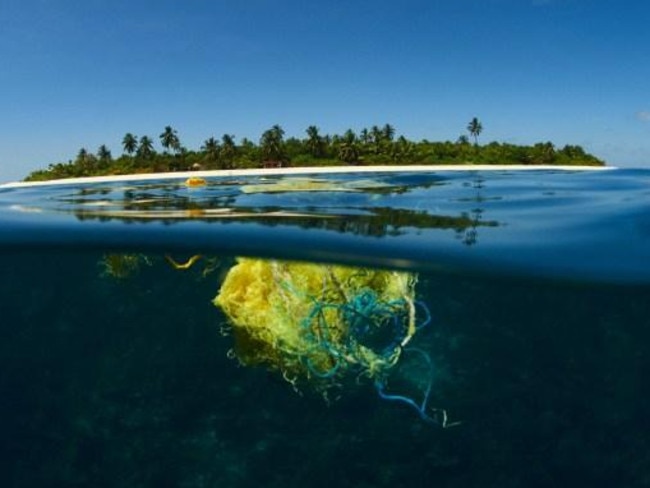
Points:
517	299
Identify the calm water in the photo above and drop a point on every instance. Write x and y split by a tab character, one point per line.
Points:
537	284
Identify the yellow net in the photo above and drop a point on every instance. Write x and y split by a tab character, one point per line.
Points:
318	322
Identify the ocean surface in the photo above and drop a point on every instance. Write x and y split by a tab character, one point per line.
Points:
529	367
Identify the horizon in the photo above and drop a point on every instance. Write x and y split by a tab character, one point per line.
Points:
83	74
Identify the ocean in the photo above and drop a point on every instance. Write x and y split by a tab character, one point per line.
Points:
374	328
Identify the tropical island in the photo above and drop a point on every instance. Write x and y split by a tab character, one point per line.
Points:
377	145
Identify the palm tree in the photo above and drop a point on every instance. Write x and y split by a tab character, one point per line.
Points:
315	143
364	136
278	132
85	163
388	131
272	145
211	149
544	153
169	139
104	156
475	128
377	136
402	150
130	143
210	146
349	148
104	153
145	148
228	151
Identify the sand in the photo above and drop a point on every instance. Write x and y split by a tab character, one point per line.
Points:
302	171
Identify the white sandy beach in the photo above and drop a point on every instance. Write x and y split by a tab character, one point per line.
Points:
302	171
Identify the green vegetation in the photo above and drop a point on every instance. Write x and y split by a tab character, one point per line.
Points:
377	145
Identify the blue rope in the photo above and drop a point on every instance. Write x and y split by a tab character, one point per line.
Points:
364	314
427	314
421	407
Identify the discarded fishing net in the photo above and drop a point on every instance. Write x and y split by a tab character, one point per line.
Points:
122	266
319	325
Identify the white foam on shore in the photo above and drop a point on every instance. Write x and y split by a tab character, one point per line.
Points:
305	171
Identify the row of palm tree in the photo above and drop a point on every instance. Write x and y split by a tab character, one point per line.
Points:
348	147
143	146
273	147
374	145
223	153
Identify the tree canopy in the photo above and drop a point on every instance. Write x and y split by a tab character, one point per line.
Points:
376	145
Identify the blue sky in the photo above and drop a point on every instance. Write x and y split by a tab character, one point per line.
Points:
81	73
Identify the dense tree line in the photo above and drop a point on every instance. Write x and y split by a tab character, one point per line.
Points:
376	145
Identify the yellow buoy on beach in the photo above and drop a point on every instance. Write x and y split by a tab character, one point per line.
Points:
194	181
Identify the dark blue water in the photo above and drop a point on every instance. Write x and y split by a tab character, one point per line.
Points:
537	284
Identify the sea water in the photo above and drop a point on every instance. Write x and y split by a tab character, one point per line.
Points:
536	283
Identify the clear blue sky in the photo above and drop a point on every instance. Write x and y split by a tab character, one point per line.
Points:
81	73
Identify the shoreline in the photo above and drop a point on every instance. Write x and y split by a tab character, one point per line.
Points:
307	171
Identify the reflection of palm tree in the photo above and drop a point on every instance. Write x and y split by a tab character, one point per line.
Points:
475	128
470	235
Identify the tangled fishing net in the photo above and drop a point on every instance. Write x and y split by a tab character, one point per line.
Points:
321	325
